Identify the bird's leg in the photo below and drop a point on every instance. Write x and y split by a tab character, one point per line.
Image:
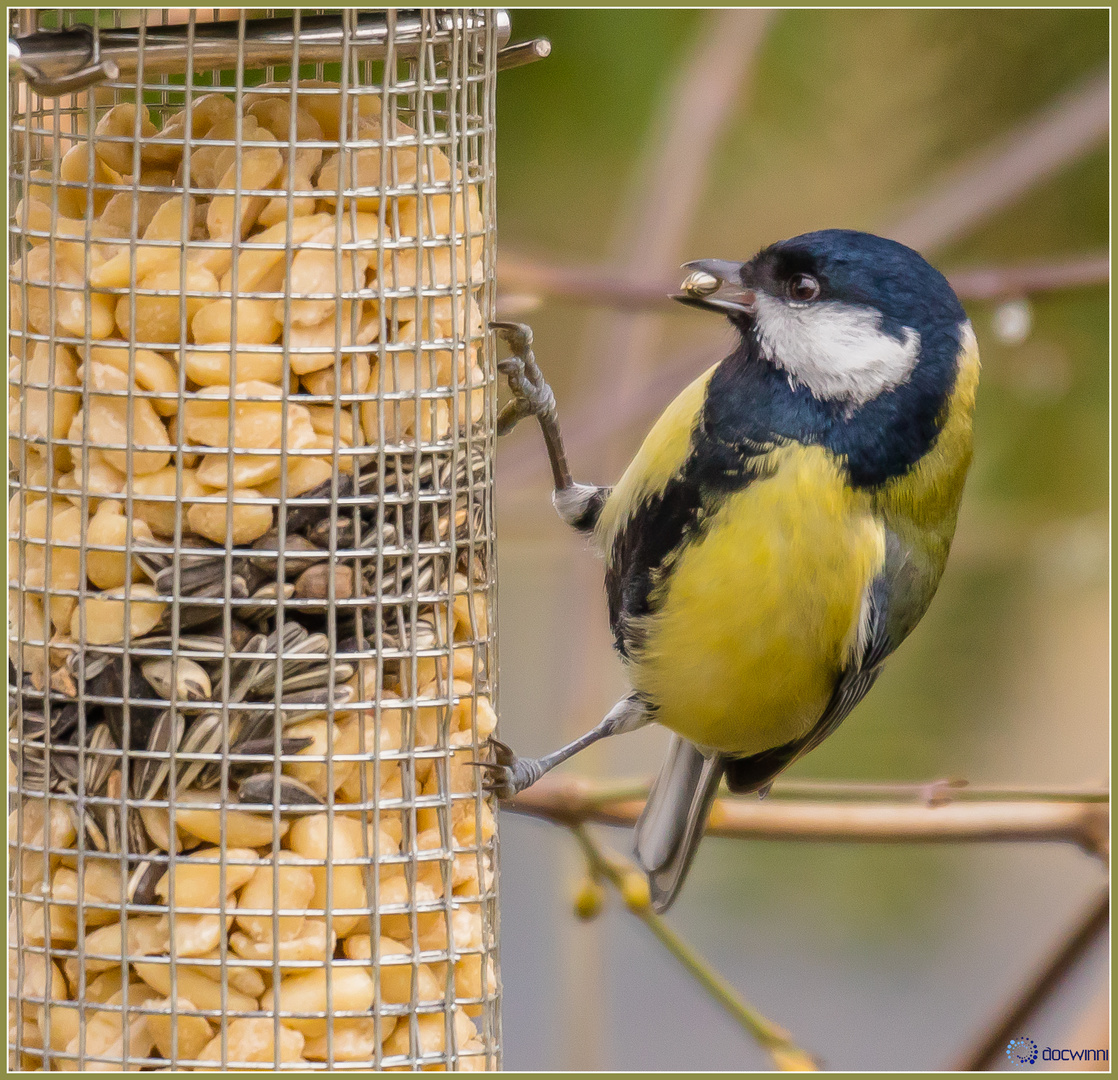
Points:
531	397
507	774
578	504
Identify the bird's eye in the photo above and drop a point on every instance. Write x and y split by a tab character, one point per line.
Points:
803	287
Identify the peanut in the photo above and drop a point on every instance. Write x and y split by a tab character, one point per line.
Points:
193	1032
242	829
240	523
104	615
159	512
252	1040
151	370
216	369
110	528
256	325
120	126
305	992
295	889
163	319
350	1040
197	878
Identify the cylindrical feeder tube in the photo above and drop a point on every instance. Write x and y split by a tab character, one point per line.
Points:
251	549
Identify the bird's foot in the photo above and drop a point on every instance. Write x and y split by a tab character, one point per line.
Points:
507	774
531	394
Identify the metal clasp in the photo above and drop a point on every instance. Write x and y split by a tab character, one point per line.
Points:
90	71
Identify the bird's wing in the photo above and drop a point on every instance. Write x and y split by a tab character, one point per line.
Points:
673	486
756	773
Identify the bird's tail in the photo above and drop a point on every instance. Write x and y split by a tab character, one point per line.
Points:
672	822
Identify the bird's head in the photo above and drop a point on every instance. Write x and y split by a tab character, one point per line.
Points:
846	314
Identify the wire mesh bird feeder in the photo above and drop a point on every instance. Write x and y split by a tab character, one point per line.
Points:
251	561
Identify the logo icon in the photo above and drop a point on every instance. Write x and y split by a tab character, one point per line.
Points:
1021	1051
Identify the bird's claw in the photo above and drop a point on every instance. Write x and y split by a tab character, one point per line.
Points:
518	336
531	394
507	774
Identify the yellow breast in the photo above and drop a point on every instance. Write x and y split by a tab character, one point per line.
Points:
759	616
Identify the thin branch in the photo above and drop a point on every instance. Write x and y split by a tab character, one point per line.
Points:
670	179
631	885
930	792
522	276
1061	133
669	183
1024	279
571	801
1015	1017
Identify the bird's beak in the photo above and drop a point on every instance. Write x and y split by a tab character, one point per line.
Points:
715	284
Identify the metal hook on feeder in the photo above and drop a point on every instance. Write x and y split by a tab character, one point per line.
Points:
90	71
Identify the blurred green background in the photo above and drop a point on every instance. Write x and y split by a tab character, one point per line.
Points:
874	957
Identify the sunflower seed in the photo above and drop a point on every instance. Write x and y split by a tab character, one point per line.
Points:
64	766
151	562
201	579
192	615
289	747
32	726
256	726
201	643
149	775
122	709
86	664
87	819
289	640
308	677
301	515
398	634
327	534
298	554
299	675
139	842
244	670
177	679
63	721
142	882
294	796
204	737
100	758
267	603
311	702
311	645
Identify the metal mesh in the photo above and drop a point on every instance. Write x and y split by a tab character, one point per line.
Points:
251	565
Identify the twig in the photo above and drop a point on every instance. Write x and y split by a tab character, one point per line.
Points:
1070	950
631	884
598	285
668	183
571	801
1024	279
1061	133
930	792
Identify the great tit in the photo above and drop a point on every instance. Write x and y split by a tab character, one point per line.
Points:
783	527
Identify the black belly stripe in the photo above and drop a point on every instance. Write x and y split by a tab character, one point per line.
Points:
663	524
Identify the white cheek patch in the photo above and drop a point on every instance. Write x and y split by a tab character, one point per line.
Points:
837	350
